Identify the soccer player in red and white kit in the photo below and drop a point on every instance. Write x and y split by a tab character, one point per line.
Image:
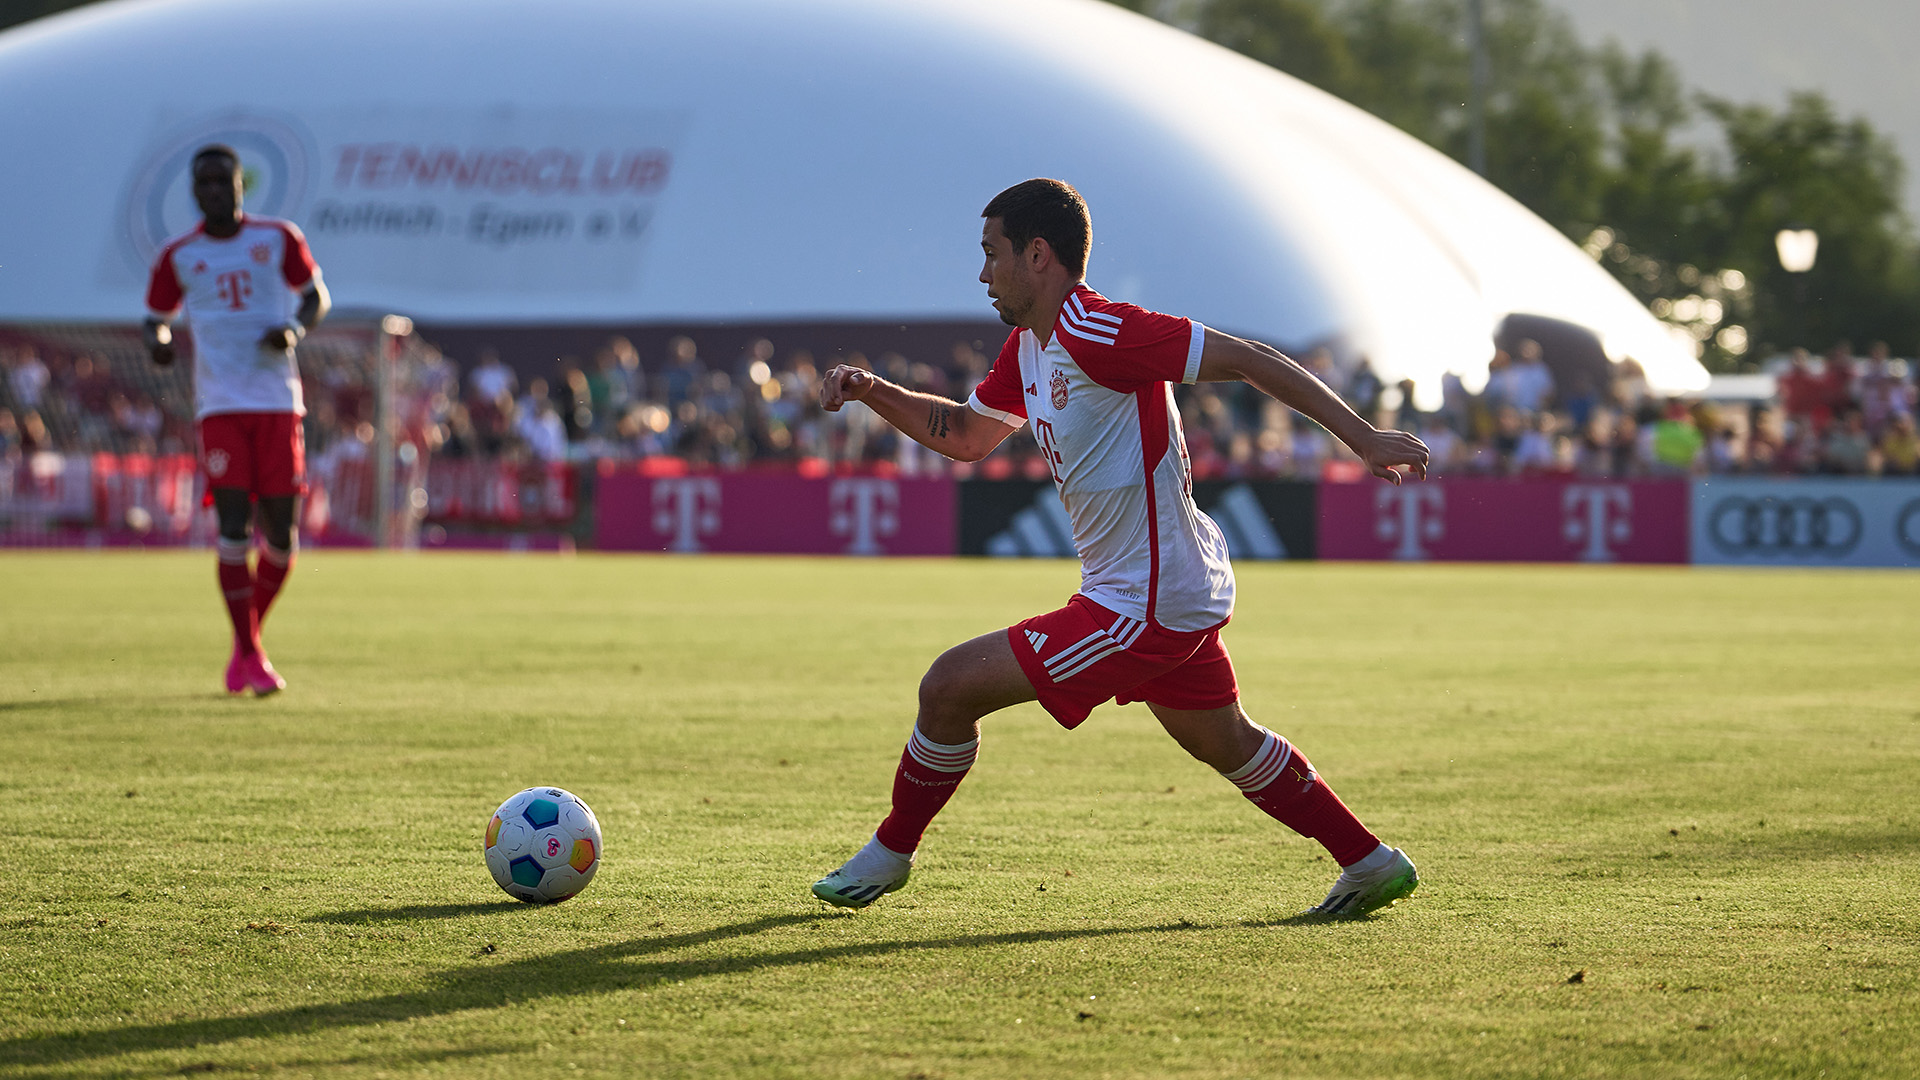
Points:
250	290
1094	377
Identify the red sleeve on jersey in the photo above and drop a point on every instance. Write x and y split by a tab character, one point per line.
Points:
1123	347
297	265
1001	388
164	294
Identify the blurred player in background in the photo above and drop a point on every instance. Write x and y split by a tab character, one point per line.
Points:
250	291
1094	379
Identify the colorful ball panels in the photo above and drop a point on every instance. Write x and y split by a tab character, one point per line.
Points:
543	845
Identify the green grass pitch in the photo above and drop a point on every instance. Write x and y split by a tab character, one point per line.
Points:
1667	821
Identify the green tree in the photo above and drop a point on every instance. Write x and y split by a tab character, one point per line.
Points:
1802	166
1601	144
1415	68
15	12
1293	35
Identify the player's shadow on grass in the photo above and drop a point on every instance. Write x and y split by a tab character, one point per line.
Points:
362	916
484	985
36	704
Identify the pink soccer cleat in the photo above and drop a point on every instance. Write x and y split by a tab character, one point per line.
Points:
237	671
261	678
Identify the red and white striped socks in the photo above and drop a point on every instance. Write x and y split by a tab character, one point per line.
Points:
928	774
236	585
1281	781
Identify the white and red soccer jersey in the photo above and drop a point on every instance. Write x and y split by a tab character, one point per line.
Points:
1101	404
234	290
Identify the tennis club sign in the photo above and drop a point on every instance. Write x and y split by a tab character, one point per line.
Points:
397	199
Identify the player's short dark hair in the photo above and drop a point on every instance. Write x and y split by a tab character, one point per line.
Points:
1050	210
217	150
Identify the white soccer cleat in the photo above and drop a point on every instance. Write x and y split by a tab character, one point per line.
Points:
873	872
1364	887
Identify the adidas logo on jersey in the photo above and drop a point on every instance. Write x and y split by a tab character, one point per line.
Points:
1036	639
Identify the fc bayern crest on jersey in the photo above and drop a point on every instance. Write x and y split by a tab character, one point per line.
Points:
1059	385
217	463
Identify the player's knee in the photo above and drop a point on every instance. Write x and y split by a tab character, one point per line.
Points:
938	686
946	698
282	537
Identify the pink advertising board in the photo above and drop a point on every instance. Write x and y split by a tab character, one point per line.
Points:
1528	520
775	513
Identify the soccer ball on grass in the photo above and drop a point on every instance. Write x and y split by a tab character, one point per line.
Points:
543	845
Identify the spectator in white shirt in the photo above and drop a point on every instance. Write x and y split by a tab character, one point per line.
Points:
29	378
1529	383
491	379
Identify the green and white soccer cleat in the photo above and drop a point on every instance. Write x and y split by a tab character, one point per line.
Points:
872	873
1359	890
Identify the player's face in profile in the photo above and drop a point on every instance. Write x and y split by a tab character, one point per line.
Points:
1005	275
216	186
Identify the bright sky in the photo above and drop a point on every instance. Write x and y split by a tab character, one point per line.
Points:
1864	54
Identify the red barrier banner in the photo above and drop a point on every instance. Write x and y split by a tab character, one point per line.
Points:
775	513
456	502
1535	520
95	500
501	493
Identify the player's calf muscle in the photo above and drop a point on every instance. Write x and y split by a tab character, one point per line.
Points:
1223	739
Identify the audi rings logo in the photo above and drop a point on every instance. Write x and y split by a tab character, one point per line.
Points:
1795	526
1906	527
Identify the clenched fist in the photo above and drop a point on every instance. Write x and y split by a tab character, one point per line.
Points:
843	383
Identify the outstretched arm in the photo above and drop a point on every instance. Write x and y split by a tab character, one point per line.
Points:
947	427
1225	358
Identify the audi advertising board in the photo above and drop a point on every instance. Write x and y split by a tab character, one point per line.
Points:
1533	520
1775	522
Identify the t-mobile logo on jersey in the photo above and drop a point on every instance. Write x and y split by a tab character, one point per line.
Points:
864	509
1043	432
1408	516
685	509
235	287
1597	516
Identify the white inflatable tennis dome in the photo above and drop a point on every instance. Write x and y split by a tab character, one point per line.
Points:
637	161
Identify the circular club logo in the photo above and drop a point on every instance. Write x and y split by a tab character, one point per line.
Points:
1906	527
274	163
1797	526
216	463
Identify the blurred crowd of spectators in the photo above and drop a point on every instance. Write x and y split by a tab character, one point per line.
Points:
81	402
1838	414
1835	415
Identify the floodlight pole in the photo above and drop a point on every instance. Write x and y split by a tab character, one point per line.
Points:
383	347
1797	249
1477	100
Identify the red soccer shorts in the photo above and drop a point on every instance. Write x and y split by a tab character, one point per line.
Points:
1084	655
262	453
